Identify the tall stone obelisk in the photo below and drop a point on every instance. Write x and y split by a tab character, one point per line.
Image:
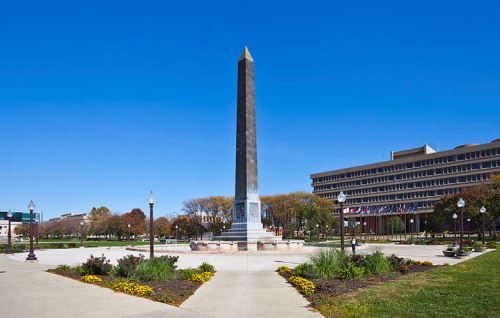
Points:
247	226
246	199
246	232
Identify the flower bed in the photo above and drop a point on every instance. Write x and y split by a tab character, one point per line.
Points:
156	279
331	272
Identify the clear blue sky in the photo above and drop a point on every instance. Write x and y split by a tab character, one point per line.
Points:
103	101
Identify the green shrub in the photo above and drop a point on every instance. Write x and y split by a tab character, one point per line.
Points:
205	267
79	269
73	245
351	271
377	264
187	273
97	265
16	248
126	265
63	268
157	269
358	259
491	244
329	263
395	262
305	270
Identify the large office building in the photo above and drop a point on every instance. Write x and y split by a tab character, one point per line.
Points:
408	184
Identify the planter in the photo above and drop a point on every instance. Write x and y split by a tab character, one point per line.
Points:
449	253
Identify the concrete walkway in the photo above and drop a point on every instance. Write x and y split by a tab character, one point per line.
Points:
249	294
28	291
245	285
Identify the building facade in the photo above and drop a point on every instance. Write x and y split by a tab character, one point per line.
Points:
85	217
409	184
17	219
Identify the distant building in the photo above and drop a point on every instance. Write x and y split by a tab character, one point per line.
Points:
410	183
17	219
85	217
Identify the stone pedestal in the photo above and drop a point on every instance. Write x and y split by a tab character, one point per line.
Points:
290	246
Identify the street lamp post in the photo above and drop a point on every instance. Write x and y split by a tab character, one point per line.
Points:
483	211
176	232
411	230
455	226
364	232
468	229
425	228
9	234
317	229
326	238
461	204
81	233
31	255
341	198
128	239
151	233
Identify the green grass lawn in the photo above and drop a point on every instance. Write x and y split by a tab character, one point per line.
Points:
468	289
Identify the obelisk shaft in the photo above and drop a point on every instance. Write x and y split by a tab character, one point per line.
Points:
246	146
247	202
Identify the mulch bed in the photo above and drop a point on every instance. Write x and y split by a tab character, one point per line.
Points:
326	288
180	288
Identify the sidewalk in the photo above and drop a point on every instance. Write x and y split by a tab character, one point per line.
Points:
249	294
28	291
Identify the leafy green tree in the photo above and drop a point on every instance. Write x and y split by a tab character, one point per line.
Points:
99	218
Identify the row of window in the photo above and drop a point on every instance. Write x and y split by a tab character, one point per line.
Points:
411	175
396	197
419	184
409	165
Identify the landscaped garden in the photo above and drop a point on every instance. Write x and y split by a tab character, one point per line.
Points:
346	285
156	279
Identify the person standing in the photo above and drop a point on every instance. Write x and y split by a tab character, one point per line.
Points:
353	244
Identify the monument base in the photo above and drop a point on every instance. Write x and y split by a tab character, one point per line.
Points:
235	246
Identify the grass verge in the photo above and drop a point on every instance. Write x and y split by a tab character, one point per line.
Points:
468	289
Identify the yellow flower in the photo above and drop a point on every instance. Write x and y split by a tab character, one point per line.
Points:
304	285
283	269
132	288
91	279
202	277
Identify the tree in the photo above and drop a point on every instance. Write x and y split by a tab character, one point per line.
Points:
182	226
115	226
474	198
492	204
22	229
162	227
99	218
137	220
194	209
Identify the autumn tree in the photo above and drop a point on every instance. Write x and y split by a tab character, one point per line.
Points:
137	220
99	218
162	227
22	229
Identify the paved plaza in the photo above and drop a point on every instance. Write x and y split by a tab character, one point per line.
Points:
245	285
